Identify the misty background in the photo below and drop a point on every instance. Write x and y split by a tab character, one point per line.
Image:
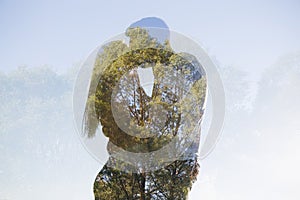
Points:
255	45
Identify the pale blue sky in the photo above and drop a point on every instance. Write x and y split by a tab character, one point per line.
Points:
250	35
247	34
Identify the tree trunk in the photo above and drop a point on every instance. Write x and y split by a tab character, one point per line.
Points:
142	185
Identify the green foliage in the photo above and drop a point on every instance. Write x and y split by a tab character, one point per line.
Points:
169	183
179	91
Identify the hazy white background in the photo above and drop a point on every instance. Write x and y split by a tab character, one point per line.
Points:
255	44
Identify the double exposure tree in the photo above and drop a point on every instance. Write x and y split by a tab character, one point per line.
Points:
139	122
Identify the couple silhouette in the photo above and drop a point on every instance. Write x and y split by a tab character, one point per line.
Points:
149	101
